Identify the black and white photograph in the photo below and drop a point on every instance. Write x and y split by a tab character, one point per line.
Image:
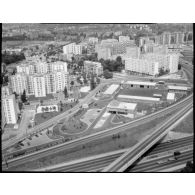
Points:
97	97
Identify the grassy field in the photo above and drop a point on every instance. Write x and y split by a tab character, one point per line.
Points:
186	126
33	98
124	140
42	117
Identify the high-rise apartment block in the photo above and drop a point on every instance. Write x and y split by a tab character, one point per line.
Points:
39	86
72	48
142	66
10	109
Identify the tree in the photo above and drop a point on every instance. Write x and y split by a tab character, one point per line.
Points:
92	82
20	105
41	101
107	74
65	92
23	96
179	66
46	109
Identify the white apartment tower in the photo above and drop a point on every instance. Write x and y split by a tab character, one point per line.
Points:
18	83
10	109
142	66
39	86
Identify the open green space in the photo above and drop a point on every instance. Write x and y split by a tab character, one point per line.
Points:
186	126
143	92
33	98
42	117
110	143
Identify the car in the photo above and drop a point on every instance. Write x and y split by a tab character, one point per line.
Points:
161	161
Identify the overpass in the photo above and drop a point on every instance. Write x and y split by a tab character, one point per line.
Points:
134	153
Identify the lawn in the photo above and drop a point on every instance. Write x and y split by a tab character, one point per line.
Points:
42	117
186	126
107	144
33	98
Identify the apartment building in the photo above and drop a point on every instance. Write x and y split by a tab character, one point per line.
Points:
72	48
59	66
142	66
10	109
50	83
93	40
93	67
39	86
18	83
166	61
61	80
133	52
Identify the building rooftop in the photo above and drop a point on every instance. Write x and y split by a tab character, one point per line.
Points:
170	96
140	83
122	105
139	97
177	87
111	89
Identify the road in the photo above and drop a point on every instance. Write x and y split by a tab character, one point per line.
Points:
98	135
52	121
98	162
154	166
129	157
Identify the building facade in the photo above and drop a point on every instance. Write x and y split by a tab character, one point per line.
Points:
93	67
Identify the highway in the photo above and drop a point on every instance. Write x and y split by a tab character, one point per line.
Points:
53	120
154	166
98	135
98	162
129	157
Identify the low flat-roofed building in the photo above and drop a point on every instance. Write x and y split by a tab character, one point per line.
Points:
139	84
117	107
171	97
157	95
177	89
112	89
132	98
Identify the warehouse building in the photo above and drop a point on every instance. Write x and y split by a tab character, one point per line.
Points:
177	89
131	98
139	84
111	90
117	107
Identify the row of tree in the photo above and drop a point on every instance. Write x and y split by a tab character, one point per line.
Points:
12	58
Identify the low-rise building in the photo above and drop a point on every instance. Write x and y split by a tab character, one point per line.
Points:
111	90
177	89
48	108
117	107
131	98
93	67
139	84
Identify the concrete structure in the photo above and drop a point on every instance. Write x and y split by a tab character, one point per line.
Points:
177	89
61	79
23	69
131	98
112	89
10	109
117	107
166	61
18	83
142	66
93	67
139	84
50	83
170	97
72	48
59	66
133	52
48	108
39	86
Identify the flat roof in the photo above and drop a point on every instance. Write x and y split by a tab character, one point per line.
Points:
111	89
122	105
177	87
170	96
139	97
140	83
